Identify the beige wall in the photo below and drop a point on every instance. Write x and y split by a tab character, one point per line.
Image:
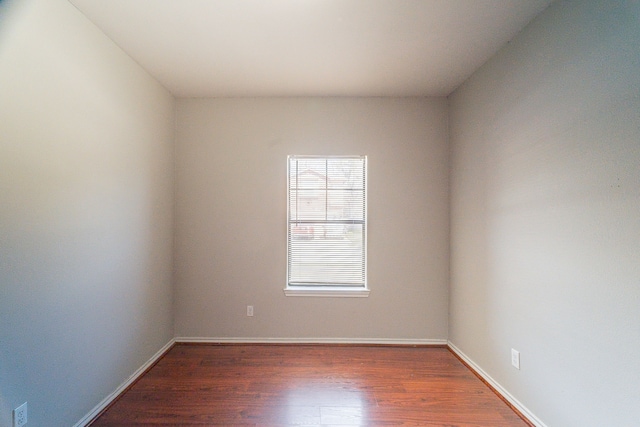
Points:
86	145
231	216
545	221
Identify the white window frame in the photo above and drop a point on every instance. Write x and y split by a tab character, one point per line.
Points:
327	290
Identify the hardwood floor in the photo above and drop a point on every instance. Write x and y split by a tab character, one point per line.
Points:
308	385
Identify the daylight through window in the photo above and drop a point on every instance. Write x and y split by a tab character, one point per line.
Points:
327	222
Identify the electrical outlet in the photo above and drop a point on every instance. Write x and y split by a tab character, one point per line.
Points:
20	415
515	358
250	310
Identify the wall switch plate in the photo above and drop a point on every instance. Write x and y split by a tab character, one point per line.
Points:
20	415
515	358
250	310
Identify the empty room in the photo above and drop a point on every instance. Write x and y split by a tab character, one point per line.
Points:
319	213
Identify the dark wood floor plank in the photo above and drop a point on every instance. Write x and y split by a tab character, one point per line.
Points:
307	385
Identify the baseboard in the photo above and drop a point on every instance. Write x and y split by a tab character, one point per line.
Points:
87	419
516	405
356	341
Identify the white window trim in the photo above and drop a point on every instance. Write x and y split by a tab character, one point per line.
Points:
331	291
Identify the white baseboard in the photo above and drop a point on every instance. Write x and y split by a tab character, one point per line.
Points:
503	392
363	341
107	400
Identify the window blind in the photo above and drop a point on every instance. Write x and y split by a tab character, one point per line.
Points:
326	221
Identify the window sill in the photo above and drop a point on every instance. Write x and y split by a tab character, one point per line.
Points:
333	291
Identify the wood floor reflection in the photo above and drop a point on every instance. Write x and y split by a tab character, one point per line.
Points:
308	385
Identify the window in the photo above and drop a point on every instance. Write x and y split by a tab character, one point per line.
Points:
326	226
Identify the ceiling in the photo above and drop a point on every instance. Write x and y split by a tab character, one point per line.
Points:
213	48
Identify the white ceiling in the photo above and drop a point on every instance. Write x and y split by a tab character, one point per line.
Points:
206	48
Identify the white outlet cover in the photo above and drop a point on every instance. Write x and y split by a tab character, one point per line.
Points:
20	415
515	358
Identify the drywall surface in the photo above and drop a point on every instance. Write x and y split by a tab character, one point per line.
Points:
231	170
86	141
545	222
